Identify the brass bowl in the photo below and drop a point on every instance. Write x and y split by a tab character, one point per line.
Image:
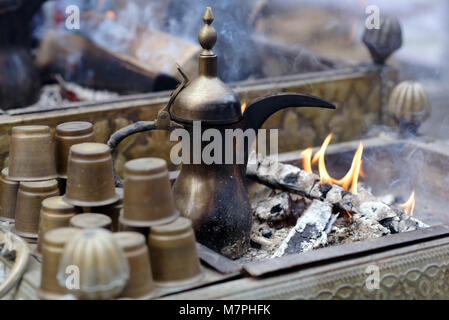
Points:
174	258
29	201
90	221
32	154
148	198
55	213
90	179
52	248
140	284
8	197
67	135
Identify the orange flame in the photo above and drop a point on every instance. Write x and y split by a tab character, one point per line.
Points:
306	159
351	177
349	214
409	206
243	107
324	175
110	14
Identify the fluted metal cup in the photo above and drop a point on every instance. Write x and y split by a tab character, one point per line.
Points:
90	178
55	213
29	201
32	154
148	198
8	197
140	284
90	221
174	257
52	247
68	134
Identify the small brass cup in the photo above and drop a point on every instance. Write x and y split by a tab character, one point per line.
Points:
8	197
67	135
90	179
174	258
148	198
140	284
32	154
52	248
29	202
90	221
55	213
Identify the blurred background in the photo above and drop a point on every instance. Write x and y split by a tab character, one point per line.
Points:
100	49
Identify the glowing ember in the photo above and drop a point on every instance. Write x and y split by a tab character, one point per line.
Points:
243	107
349	214
351	177
110	14
409	206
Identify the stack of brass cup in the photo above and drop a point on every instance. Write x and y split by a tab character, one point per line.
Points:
148	208
68	134
32	164
52	247
90	177
148	200
55	213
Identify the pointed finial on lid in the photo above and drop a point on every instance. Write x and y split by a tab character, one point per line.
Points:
207	35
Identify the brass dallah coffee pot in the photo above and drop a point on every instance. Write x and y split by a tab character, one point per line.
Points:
214	196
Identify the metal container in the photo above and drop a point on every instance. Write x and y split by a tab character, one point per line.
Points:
148	198
174	257
102	264
91	220
55	213
67	135
52	248
90	179
140	284
29	201
32	154
8	197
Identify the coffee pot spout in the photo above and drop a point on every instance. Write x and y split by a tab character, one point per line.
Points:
261	109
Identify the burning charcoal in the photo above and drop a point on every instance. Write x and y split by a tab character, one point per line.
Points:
335	194
359	229
284	176
267	233
377	210
274	209
403	222
310	230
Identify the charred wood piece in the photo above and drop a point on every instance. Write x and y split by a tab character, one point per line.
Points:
310	230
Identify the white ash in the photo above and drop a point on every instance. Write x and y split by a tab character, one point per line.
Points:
273	209
309	231
52	95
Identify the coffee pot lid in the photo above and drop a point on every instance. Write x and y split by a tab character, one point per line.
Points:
207	98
